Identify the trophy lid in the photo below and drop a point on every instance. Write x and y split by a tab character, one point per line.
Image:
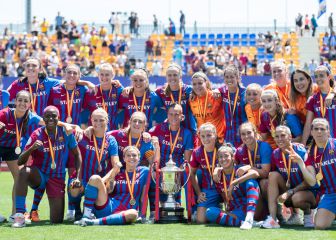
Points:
171	167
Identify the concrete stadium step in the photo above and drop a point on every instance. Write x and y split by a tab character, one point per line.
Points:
137	49
308	50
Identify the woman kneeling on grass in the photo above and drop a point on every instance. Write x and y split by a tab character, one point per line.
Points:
116	198
240	194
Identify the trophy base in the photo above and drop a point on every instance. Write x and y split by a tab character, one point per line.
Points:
171	215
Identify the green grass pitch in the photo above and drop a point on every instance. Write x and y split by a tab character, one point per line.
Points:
44	230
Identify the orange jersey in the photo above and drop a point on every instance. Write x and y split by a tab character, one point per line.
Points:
213	113
283	92
253	115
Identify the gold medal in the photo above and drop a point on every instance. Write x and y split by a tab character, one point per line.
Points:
132	202
319	176
53	165
288	184
99	168
68	119
17	150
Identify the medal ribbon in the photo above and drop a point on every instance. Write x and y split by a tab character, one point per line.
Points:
70	101
203	111
322	104
288	168
321	158
225	187
173	145
51	149
142	104
130	141
33	96
99	155
254	155
179	96
103	100
18	133
130	187
213	161
234	103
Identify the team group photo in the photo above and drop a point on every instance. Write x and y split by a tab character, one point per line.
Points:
158	124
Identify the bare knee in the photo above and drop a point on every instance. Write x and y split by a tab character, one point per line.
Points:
95	180
131	215
321	225
273	176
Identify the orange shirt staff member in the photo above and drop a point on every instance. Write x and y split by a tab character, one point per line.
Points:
205	106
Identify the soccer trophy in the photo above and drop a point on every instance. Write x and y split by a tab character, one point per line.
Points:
171	175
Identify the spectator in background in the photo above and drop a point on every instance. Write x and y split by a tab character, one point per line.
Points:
307	24
254	65
132	20
157	68
243	62
298	24
112	21
158	48
313	25
179	55
44	27
149	47
34	27
182	23
291	67
136	25
58	21
155	24
267	68
171	30
117	23
331	23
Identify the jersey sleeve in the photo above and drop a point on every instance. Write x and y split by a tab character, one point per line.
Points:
193	162
294	124
113	147
12	90
72	143
310	104
5	98
188	141
263	124
148	150
32	139
265	153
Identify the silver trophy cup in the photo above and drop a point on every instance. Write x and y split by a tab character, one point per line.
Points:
171	175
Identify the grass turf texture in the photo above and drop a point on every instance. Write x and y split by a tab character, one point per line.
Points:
44	230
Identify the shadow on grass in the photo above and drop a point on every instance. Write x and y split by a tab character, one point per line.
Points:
44	223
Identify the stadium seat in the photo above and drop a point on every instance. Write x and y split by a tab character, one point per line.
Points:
236	36
253	36
186	36
244	36
186	43
211	36
202	42
194	36
270	56
260	56
227	42
227	36
219	36
235	43
194	42
203	36
261	50
244	43
253	43
211	41
219	42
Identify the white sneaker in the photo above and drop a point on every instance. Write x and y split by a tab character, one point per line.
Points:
246	225
308	221
11	218
2	219
84	222
70	217
19	220
270	223
294	219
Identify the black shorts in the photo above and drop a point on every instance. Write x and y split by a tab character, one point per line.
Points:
8	154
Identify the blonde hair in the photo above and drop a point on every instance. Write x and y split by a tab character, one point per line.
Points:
284	128
129	148
227	147
253	86
280	110
102	112
107	67
141	72
166	89
321	121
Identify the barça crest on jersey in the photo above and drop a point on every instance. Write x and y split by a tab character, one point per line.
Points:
77	93
147	100
41	87
210	105
61	139
331	152
179	139
114	95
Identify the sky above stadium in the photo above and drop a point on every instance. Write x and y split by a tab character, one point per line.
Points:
215	12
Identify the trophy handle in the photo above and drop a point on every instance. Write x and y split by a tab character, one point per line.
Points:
184	168
153	173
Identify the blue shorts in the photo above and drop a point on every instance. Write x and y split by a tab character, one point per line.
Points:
328	201
213	198
55	187
105	210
